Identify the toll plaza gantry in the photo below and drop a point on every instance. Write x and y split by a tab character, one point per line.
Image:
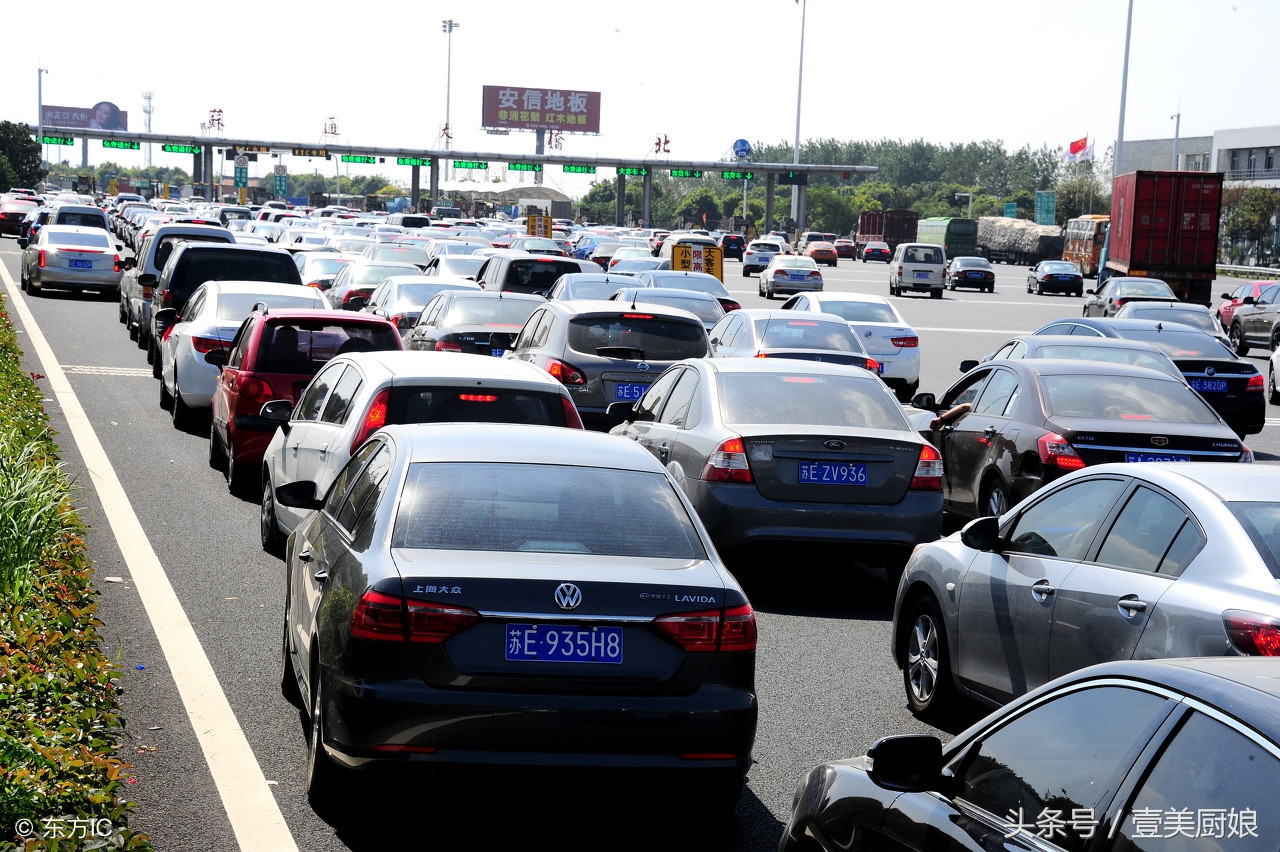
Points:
201	149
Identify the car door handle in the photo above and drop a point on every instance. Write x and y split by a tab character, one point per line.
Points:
1131	605
990	431
304	555
663	449
1043	589
320	576
324	450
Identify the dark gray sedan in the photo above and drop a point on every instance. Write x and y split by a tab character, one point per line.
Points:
783	450
479	594
1113	562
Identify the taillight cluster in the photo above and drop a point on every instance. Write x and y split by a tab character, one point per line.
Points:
1251	633
388	618
1056	451
710	630
567	374
255	390
928	475
1256	383
374	419
115	266
905	342
728	463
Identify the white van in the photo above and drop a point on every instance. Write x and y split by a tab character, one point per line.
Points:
917	267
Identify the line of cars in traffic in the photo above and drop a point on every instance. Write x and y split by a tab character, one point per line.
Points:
508	588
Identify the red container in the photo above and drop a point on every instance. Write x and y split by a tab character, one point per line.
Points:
1165	224
887	226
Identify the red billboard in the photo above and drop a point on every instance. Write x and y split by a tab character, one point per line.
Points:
519	108
104	115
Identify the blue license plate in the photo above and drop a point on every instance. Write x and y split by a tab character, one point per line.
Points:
560	643
975	274
629	391
1218	385
497	353
1155	457
832	473
80	264
921	274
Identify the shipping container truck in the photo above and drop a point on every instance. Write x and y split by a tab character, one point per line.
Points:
1165	225
1017	241
886	226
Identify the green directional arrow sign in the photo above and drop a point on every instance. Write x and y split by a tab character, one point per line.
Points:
525	167
686	173
413	161
730	174
121	144
632	171
180	149
580	170
59	140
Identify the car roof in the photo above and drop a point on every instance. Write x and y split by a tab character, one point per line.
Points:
71	229
1118	325
588	307
231	247
454	368
1038	341
520	444
824	296
1247	483
325	315
251	286
781	365
1078	367
778	313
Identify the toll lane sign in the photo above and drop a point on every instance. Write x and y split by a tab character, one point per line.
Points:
708	259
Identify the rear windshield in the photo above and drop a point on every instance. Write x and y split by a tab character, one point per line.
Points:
326	265
1125	398
69	239
84	220
638	337
923	254
1261	521
417	404
981	263
531	275
699	281
411	295
373	275
707	310
165	248
1181	344
233	307
401	253
1139	287
541	508
1059	268
459	264
226	214
1196	319
490	312
1112	355
798	399
963	227
415	221
237	266
601	289
861	311
806	334
302	348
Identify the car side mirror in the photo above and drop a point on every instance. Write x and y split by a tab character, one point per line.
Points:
925	401
165	316
1226	296
981	534
1249	300
502	340
354	303
1031	268
622	411
22	243
715	341
907	764
279	410
967	365
119	246
146	279
300	494
1090	292
216	357
406	322
129	263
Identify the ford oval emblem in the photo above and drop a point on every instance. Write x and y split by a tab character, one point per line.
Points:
642	367
833	444
1160	441
568	596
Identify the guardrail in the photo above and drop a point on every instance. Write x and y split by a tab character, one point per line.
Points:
1257	273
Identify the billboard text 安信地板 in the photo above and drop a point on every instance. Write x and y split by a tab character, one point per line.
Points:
521	108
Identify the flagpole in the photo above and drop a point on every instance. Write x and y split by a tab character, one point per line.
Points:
1124	87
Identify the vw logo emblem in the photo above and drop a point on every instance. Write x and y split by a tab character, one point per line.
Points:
1209	371
642	367
1160	441
568	596
833	444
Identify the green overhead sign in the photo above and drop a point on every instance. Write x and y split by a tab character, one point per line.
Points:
686	173
413	161
180	149
469	164
730	174
525	167
59	140
121	144
580	170
359	158
632	171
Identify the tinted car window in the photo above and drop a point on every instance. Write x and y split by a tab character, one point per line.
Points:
234	306
1017	772
860	311
1261	521
651	403
418	404
335	410
806	334
543	508
655	339
359	503
84	220
533	275
308	407
304	347
1144	531
487	312
1062	524
998	393
62	238
681	397
1212	784
1110	354
1124	398
800	398
1180	344
346	477
1196	319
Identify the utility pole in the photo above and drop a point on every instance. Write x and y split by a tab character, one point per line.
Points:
1177	126
447	27
1124	88
40	72
147	110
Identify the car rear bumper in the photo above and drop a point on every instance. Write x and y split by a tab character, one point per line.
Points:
716	722
1246	412
737	514
1060	286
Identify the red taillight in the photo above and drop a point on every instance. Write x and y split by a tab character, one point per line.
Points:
383	617
1252	634
255	390
379	617
566	374
899	271
637	316
374	419
728	463
711	630
433	623
815	274
447	346
873	365
478	397
115	266
928	476
905	342
571	417
40	262
1256	383
315	284
730	305
206	344
1057	452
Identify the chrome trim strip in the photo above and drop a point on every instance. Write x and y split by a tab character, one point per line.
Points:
1234	724
1166	450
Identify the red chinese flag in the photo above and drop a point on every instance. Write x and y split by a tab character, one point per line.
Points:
1079	145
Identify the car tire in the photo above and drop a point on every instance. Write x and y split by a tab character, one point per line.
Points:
217	455
1080	294
325	779
268	529
143	338
760	289
34	288
1273	396
22	280
935	294
926	675
288	675
991	288
153	358
994	498
745	273
1039	289
134	330
237	476
166	398
1237	340
182	415
893	291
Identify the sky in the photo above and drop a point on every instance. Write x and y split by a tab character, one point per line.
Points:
702	73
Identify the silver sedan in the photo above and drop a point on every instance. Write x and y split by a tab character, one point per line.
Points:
72	257
1113	562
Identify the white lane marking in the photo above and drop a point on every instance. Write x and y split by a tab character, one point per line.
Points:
90	370
250	805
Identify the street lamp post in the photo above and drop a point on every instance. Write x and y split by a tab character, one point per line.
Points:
1124	89
1177	126
40	72
795	154
447	27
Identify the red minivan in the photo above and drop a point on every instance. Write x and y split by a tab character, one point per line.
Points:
274	355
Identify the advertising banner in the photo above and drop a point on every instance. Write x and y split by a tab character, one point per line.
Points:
104	115
521	108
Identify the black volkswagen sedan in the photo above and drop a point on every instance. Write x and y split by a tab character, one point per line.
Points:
1010	426
480	594
1234	386
1179	754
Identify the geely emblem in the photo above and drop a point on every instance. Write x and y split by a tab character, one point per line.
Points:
1160	441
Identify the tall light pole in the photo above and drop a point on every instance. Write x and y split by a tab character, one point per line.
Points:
1177	126
40	72
795	154
447	27
1124	88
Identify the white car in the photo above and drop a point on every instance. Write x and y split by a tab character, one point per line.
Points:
757	255
917	268
210	320
790	273
881	329
355	395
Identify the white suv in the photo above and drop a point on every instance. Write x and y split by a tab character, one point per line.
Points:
758	253
917	267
